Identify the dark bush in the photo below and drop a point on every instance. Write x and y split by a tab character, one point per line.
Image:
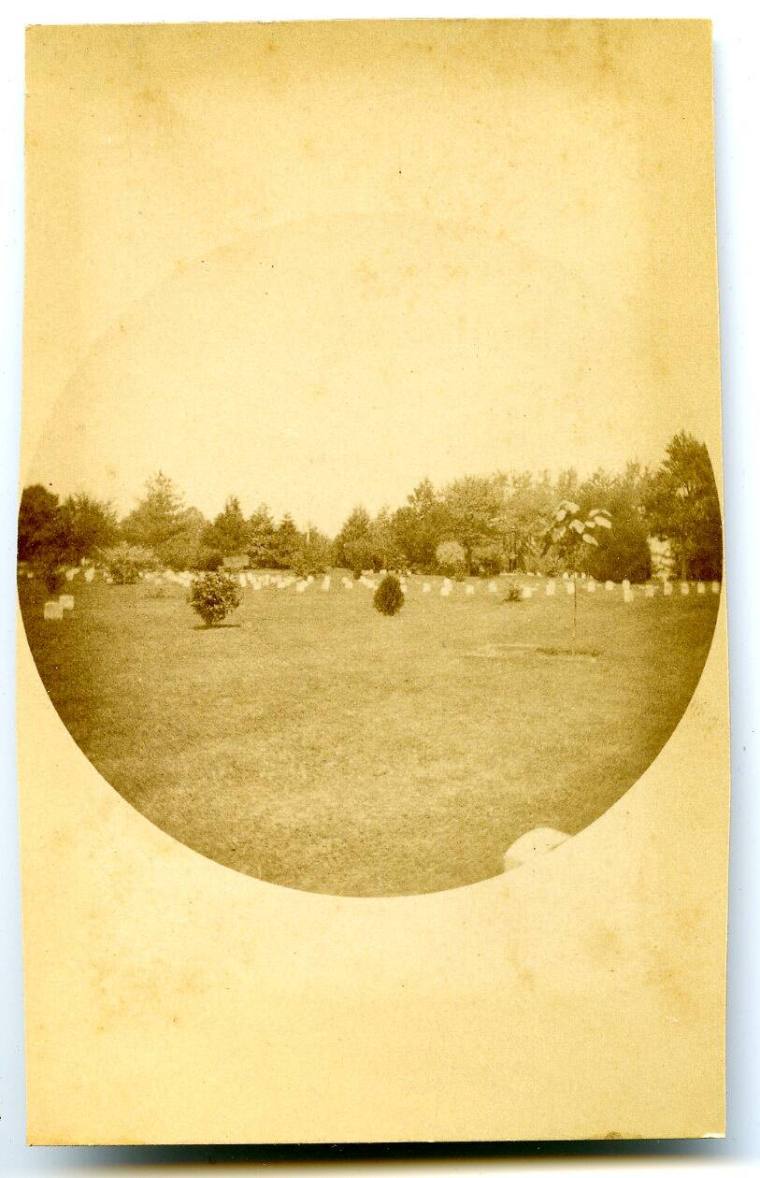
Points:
53	578
514	592
388	597
213	596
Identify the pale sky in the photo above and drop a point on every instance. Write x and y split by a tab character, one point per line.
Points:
314	284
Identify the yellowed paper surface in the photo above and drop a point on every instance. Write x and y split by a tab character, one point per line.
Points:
549	181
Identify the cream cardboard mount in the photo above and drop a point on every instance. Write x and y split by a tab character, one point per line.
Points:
170	999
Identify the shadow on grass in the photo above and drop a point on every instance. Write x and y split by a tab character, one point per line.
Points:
219	626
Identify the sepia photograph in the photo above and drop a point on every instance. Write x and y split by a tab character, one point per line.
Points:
370	555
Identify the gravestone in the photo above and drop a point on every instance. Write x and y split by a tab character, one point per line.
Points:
570	588
591	586
701	587
551	588
649	591
609	586
492	588
326	585
66	601
469	590
425	587
716	586
684	588
627	595
667	589
52	611
89	575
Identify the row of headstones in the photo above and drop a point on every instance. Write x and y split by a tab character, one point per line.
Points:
448	586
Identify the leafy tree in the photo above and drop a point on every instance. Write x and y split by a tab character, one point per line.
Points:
41	530
158	516
569	534
287	543
355	536
473	506
419	526
387	553
162	523
314	554
682	505
261	537
88	524
526	507
451	557
623	551
184	550
229	532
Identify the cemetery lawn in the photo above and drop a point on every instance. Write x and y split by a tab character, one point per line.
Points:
317	744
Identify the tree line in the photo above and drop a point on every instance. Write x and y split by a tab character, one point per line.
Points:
474	525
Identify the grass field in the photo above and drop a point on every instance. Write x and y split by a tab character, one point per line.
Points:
317	744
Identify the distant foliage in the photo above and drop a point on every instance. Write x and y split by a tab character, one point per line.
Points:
487	560
124	562
682	505
213	596
623	552
313	557
388	597
451	558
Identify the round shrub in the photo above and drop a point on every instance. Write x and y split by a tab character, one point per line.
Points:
388	597
213	596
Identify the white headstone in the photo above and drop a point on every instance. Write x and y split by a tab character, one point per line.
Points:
667	589
326	585
701	587
425	587
570	587
469	590
526	592
626	583
716	586
609	585
649	591
492	587
71	573
684	588
445	591
66	601
591	586
52	611
627	595
89	575
551	588
301	586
